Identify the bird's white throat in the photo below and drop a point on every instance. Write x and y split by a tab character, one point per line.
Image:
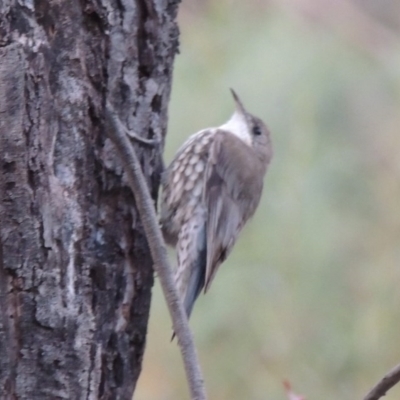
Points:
239	127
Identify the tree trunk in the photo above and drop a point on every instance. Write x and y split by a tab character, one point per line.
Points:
75	269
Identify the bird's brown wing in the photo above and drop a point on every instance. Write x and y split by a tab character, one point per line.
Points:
228	177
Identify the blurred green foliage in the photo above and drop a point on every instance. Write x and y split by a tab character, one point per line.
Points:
311	292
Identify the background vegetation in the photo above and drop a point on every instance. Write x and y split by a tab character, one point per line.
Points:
311	292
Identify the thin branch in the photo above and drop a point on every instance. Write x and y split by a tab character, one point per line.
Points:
134	136
159	253
385	384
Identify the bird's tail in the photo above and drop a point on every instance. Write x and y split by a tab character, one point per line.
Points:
196	281
191	272
192	256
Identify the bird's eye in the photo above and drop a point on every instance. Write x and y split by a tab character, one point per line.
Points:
256	130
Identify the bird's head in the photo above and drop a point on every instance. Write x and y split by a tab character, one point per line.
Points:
250	129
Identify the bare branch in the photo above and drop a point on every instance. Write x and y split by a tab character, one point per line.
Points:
385	384
134	136
159	253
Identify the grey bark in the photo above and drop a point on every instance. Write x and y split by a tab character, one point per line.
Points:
75	269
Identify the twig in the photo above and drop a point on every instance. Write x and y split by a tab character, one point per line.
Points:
385	384
159	254
134	136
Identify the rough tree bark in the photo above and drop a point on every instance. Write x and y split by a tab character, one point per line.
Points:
75	269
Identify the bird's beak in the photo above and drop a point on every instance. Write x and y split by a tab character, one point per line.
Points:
239	106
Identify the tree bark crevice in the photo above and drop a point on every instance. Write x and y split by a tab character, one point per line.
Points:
76	272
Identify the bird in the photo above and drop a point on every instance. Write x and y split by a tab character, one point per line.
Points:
209	191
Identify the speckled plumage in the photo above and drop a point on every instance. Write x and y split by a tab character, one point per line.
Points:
210	190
